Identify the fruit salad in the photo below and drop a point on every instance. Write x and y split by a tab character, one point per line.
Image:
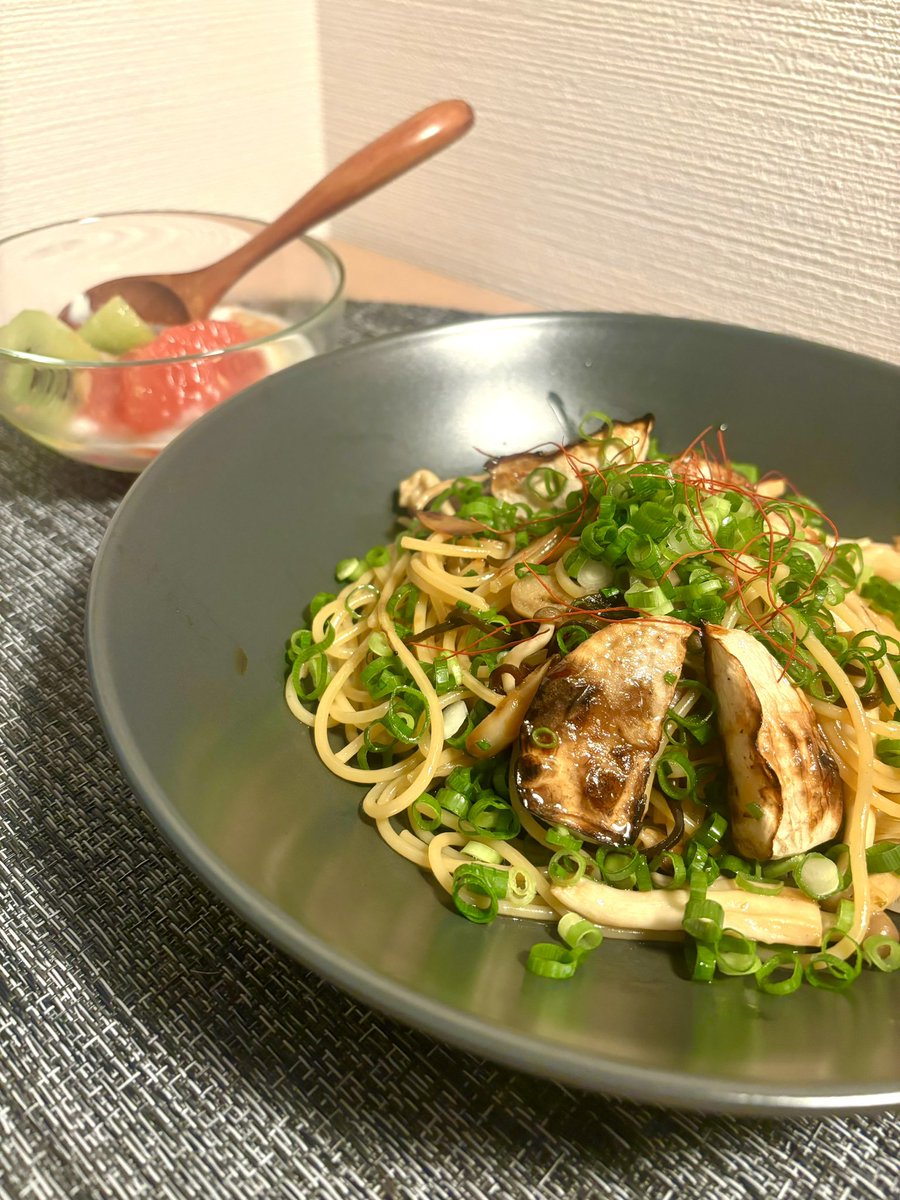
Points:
117	390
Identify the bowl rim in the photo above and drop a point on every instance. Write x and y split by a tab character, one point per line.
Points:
324	252
699	1092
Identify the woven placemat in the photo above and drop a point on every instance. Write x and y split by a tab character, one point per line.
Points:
153	1046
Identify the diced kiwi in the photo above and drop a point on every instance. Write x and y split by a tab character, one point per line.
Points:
33	332
116	328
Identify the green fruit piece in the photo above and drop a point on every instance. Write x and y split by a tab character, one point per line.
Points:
33	332
116	328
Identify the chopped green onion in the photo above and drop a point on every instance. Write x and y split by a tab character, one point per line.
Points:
303	648
642	879
486	854
545	482
563	839
833	974
883	856
378	644
453	801
315	670
401	607
348	569
703	920
522	569
736	954
544	738
552	961
366	593
780	868
759	887
425	814
883	596
843	917
700	960
670	678
730	864
483	744
579	934
874	948
781	960
407	718
378	556
840	853
676	862
490	816
754	812
604	422
712	831
651	600
318	602
521	889
460	780
817	876
566	867
698	859
676	787
620	867
570	636
473	882
382	676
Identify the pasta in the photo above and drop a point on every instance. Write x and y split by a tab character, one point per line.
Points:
693	600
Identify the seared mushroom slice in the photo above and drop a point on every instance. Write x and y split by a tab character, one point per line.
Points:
509	474
594	728
785	791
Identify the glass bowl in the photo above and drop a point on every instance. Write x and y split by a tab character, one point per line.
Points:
117	413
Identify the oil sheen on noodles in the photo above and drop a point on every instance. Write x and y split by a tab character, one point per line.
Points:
400	677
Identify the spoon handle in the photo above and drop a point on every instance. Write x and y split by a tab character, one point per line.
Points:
409	143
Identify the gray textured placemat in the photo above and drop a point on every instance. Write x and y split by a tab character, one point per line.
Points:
152	1046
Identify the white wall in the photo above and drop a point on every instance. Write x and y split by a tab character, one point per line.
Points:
735	159
731	159
112	104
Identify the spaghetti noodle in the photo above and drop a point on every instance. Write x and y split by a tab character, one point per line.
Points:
416	676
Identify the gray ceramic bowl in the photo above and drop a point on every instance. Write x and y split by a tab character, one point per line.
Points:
207	567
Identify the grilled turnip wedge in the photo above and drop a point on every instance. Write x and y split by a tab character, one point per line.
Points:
787	919
510	474
594	728
785	791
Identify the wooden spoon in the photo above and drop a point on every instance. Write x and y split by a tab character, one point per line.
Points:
189	295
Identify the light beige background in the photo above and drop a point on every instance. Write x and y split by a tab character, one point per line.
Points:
732	159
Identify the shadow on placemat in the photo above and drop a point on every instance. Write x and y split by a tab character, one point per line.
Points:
153	1046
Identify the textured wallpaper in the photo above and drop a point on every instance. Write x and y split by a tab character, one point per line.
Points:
731	159
111	104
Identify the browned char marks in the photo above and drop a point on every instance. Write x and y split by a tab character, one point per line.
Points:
605	702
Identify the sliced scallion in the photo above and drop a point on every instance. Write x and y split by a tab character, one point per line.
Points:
678	877
736	954
770	977
882	952
700	960
704	920
551	961
883	856
817	876
579	934
477	890
563	839
566	867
